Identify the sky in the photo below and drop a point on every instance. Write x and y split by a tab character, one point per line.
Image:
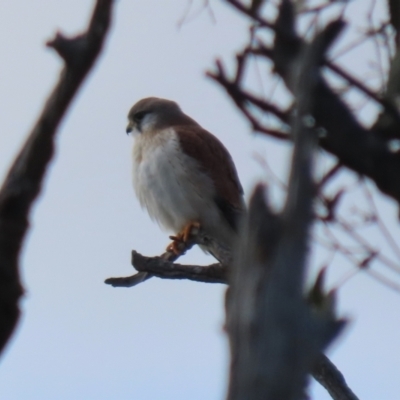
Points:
81	339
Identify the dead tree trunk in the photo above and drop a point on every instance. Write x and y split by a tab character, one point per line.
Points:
275	336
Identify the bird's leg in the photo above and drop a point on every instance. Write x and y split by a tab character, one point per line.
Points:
178	241
189	229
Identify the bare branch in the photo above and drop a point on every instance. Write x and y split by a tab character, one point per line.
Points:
250	13
133	280
157	266
387	105
365	151
326	373
387	125
394	9
324	370
242	99
24	180
128	281
329	175
164	267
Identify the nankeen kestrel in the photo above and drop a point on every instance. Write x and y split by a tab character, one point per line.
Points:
182	174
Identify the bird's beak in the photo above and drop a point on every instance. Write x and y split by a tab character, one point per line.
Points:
129	128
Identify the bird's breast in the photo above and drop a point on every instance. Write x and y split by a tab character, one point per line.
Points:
169	183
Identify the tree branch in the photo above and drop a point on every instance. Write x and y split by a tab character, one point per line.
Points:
384	102
242	99
275	337
25	177
157	266
164	268
326	373
366	151
394	11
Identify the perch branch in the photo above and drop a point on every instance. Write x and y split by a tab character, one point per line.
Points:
365	151
157	266
25	177
166	269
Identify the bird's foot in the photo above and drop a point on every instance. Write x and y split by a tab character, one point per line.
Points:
180	239
190	229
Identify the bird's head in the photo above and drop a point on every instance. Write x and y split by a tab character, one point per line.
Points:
152	114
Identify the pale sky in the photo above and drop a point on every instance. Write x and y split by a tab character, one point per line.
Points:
79	338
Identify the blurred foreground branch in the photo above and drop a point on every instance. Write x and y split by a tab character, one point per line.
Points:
25	177
332	379
275	336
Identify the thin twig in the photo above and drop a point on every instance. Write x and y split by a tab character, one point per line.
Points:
347	228
329	175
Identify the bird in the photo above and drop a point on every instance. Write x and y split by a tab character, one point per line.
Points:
182	174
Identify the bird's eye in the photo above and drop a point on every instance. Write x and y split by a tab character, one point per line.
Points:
139	116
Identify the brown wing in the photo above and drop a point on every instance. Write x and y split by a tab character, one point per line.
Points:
217	163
